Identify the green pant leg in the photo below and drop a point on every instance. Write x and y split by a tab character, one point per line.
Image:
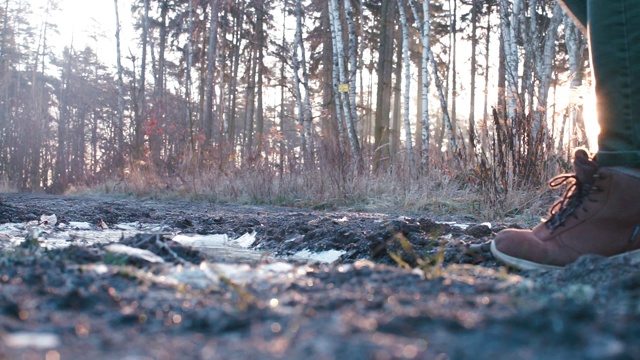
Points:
614	36
614	39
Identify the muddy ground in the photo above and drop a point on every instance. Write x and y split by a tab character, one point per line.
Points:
406	287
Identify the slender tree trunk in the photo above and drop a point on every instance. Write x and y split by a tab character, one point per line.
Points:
329	124
544	62
353	63
424	28
509	24
119	160
407	83
250	101
394	129
454	74
140	116
297	82
453	146
418	133
233	90
187	85
260	78
306	119
339	118
342	71
61	167
212	50
487	68
281	141
472	89
383	92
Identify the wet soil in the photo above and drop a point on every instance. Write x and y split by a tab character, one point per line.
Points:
406	287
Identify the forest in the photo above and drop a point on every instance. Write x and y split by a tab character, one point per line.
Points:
298	101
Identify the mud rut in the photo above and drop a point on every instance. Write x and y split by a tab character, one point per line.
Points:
406	287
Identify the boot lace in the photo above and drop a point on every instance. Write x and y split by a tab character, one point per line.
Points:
573	199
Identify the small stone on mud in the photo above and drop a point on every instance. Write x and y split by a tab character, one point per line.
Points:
478	231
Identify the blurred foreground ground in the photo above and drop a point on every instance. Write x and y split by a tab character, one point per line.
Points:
402	287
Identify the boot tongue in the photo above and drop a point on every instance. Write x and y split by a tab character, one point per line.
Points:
584	167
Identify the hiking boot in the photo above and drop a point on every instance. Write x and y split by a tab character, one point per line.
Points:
599	214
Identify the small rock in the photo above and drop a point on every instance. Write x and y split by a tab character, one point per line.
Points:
478	231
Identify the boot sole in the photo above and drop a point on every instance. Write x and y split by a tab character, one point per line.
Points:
632	256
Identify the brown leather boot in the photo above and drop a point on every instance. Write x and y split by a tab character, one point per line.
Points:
599	214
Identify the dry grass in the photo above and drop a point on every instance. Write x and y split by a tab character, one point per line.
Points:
440	193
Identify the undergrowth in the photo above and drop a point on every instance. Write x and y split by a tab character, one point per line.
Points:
439	193
503	178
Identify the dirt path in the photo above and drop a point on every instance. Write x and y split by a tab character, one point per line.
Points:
84	302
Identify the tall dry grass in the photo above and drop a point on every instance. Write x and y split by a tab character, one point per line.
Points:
503	180
441	192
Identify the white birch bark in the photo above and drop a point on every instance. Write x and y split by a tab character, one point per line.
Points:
189	58
338	103
212	51
336	34
305	81
427	56
336	82
530	36
407	80
509	23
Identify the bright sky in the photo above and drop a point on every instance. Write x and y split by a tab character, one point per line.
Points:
81	20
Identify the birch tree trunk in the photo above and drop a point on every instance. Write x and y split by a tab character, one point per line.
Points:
233	87
260	79
485	111
281	141
140	118
454	71
407	82
335	84
329	128
119	160
395	127
212	50
339	49
353	62
307	118
530	38
472	88
187	82
509	24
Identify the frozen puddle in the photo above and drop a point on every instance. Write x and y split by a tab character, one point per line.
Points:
239	264
51	236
